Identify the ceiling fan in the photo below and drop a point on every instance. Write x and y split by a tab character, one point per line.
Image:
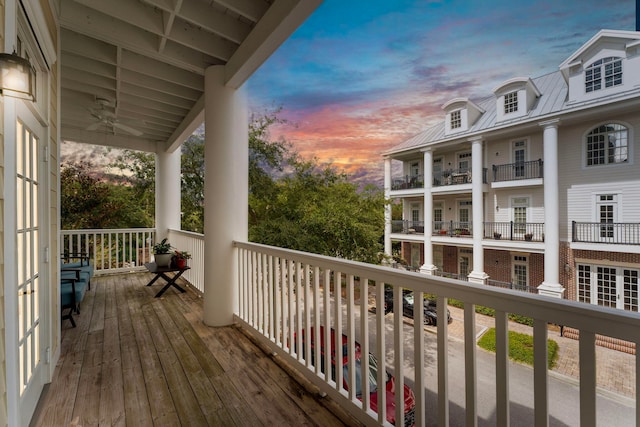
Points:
107	118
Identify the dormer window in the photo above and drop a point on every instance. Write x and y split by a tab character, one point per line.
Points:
456	119
460	115
610	68
515	98
511	102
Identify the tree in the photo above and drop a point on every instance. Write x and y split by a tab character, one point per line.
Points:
192	183
309	206
88	202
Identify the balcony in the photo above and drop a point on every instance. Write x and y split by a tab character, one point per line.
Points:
408	182
279	294
456	177
518	171
611	233
521	231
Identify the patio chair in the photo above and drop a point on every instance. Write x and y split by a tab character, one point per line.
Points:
72	291
72	261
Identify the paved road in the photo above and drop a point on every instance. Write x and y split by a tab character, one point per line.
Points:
611	410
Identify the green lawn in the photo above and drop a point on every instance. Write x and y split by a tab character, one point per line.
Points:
520	347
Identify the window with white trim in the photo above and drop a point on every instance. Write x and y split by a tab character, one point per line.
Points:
607	144
456	119
608	70
608	286
511	102
520	272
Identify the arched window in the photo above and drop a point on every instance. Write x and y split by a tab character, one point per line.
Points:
607	144
607	69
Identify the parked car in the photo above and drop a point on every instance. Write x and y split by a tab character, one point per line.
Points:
429	307
390	387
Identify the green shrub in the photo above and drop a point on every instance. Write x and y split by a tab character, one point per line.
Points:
520	347
491	312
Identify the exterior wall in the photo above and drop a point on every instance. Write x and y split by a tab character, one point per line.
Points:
54	207
3	363
497	264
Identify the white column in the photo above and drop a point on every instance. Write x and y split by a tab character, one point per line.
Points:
226	193
551	285
387	208
167	192
477	275
428	267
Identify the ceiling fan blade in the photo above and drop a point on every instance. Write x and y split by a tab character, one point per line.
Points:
94	126
127	129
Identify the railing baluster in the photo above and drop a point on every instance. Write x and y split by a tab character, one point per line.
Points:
502	368
540	374
418	356
337	315
327	323
364	341
587	354
381	350
316	316
351	337
307	313
443	364
470	364
398	348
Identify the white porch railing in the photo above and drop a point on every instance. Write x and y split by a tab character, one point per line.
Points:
112	251
283	292
194	243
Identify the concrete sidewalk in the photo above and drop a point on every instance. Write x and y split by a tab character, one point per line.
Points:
615	370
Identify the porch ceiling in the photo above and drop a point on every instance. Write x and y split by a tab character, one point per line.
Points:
132	71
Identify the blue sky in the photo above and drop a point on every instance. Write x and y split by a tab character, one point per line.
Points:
359	77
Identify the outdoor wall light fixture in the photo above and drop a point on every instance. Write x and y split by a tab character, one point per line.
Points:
17	76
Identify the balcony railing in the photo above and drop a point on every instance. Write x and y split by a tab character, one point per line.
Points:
409	181
407	226
112	251
514	286
518	171
615	233
282	293
452	228
527	231
456	177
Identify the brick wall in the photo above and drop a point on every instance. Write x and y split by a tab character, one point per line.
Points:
450	259
497	264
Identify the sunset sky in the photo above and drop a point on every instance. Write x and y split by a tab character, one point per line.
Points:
361	76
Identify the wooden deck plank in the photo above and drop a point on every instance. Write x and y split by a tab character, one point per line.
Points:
112	410
136	360
135	390
91	375
163	411
208	399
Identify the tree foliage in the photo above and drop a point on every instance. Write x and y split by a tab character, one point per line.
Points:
308	206
192	183
88	202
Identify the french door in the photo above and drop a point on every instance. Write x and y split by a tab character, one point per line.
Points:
615	287
30	242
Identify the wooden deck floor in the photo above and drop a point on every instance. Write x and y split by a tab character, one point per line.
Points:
136	360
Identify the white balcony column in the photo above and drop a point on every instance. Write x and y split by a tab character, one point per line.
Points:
387	208
428	267
167	192
551	284
226	193
477	275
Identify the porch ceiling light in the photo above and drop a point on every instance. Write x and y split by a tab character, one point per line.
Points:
17	76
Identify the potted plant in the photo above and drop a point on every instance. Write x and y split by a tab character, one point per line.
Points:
181	258
162	253
528	237
497	235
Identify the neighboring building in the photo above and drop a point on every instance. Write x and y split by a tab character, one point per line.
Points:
536	185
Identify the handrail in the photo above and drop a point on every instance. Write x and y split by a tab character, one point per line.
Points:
517	171
111	250
282	292
617	233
